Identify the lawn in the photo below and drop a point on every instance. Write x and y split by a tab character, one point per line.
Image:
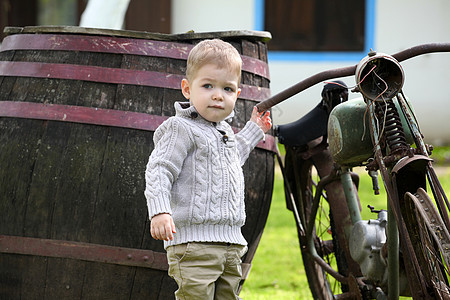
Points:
277	271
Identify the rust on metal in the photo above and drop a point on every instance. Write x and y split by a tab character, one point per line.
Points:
434	222
90	252
83	251
421	159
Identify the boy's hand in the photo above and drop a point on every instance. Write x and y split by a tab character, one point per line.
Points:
162	227
262	119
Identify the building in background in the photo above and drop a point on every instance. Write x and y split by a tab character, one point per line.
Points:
143	15
309	36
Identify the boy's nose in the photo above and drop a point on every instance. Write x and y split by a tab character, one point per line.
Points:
218	95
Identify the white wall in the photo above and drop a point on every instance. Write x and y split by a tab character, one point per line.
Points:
212	15
399	24
426	77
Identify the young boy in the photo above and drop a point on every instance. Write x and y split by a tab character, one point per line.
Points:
194	177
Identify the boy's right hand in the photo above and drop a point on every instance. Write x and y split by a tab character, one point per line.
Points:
162	227
262	119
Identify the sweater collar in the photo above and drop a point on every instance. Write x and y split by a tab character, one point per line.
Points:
184	109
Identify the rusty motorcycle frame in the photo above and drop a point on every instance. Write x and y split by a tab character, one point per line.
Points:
406	249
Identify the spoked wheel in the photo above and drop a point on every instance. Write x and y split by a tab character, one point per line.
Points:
322	285
302	170
431	241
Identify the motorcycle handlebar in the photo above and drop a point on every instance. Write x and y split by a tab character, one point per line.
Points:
346	71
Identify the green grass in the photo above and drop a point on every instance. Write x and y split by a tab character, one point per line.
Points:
277	271
441	155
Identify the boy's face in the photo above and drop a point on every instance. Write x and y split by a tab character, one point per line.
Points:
213	92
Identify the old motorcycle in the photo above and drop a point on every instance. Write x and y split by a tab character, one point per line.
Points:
405	249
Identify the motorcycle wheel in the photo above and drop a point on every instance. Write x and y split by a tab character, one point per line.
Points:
322	285
427	231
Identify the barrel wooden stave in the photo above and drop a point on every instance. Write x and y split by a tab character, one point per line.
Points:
100	165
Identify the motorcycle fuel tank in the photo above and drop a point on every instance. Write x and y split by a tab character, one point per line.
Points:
349	135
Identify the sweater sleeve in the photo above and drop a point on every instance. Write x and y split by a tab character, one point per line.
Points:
247	139
172	143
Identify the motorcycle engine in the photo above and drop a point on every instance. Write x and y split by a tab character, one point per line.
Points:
368	248
366	244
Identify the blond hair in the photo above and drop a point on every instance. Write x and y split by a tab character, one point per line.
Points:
217	52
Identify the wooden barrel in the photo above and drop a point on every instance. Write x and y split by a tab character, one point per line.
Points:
78	109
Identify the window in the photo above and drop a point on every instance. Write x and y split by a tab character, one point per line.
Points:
148	15
322	28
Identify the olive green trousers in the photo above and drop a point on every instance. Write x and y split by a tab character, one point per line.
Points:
206	271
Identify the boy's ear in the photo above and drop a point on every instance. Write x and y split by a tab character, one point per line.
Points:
238	93
185	89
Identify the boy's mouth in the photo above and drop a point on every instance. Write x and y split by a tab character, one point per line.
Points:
216	106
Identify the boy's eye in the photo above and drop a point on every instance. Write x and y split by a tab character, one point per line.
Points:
229	89
207	86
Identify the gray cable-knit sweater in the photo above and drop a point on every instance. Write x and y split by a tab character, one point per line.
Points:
195	174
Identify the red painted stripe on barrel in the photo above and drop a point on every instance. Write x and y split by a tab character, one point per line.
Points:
94	116
117	45
80	114
111	75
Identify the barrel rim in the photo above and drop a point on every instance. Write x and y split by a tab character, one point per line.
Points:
263	36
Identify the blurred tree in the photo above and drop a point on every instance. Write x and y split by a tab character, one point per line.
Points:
57	12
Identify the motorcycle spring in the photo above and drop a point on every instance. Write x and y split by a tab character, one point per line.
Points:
393	129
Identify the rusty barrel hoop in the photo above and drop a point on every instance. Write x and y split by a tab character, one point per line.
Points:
78	109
